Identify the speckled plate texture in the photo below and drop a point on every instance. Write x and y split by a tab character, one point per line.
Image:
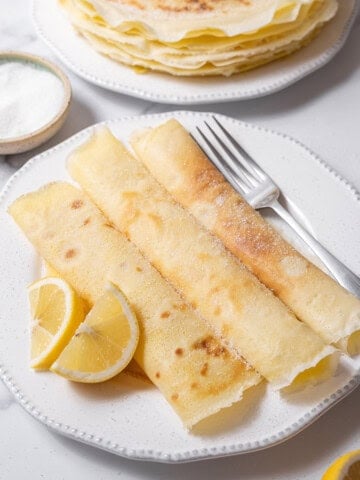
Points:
54	28
128	416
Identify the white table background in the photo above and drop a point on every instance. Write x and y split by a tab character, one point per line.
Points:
322	111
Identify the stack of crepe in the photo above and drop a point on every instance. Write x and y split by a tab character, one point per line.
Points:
211	37
209	329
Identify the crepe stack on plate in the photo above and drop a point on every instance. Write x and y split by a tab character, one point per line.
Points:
208	37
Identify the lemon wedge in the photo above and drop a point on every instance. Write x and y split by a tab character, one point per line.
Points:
347	467
56	312
103	344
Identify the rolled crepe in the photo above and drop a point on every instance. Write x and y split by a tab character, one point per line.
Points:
252	321
178	352
182	168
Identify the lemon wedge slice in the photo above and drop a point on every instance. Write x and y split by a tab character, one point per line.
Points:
56	312
103	344
347	467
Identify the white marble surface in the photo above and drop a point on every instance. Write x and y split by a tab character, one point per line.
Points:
323	111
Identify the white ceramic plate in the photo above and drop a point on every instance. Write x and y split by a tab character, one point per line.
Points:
54	28
130	417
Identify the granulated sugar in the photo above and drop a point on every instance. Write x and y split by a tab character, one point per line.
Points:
30	97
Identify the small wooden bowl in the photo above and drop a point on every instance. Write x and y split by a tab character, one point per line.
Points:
31	140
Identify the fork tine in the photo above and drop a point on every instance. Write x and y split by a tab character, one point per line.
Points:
249	162
246	176
225	169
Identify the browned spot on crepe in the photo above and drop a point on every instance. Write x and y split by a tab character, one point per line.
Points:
211	346
180	6
70	253
204	369
182	307
77	204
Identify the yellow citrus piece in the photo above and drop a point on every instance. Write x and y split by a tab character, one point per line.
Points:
347	467
103	344
56	312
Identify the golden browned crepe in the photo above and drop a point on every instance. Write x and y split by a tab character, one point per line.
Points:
182	168
196	374
254	323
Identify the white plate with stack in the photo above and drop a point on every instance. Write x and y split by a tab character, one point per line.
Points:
55	29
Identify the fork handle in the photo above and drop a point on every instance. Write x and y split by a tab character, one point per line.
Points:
339	271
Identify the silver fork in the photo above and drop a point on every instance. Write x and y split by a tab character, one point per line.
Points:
260	191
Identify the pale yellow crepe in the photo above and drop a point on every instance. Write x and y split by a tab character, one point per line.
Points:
179	164
178	352
187	38
254	323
